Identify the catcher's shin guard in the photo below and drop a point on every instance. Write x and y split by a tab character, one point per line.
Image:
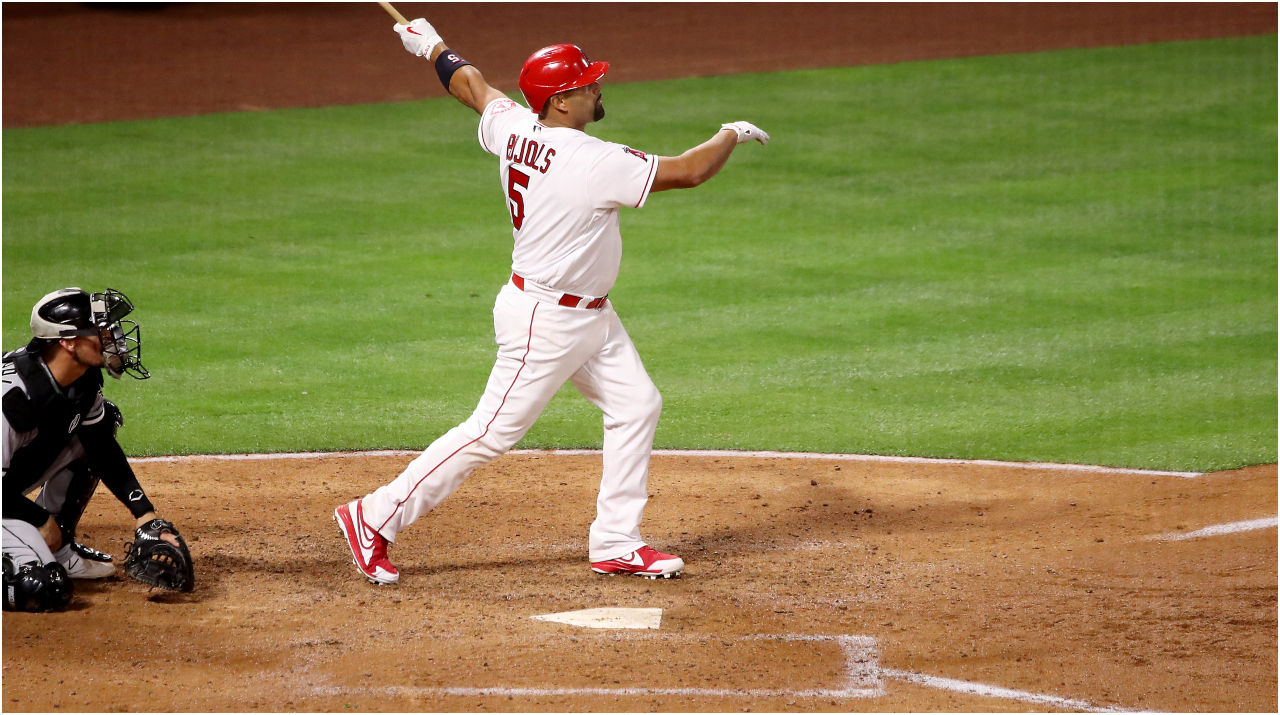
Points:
80	490
33	587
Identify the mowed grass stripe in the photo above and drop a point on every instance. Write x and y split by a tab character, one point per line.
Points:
1065	257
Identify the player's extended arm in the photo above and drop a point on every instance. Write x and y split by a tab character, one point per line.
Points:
460	77
704	161
109	463
468	86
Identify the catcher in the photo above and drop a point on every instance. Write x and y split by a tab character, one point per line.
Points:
60	437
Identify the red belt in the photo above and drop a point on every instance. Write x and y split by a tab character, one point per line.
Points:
568	300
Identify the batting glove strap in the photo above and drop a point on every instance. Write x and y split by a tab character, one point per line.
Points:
747	131
419	37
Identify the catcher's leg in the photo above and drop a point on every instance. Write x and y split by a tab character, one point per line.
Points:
55	483
615	380
69	484
67	495
69	487
24	545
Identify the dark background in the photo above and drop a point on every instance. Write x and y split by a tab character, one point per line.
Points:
93	62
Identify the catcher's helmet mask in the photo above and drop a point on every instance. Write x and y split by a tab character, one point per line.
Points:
72	312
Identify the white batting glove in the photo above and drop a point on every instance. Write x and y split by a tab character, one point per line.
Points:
748	131
419	37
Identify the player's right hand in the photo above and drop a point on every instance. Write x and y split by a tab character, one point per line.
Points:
419	37
747	131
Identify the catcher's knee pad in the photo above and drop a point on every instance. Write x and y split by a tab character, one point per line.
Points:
33	587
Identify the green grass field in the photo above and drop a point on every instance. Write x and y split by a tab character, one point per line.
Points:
1067	256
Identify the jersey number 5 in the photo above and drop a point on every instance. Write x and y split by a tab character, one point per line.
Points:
516	178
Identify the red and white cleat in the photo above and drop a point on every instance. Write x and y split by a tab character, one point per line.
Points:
368	547
644	561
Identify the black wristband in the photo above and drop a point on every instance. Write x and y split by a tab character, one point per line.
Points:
139	507
446	64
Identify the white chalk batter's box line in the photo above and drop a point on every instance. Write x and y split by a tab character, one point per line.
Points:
1234	527
863	678
875	458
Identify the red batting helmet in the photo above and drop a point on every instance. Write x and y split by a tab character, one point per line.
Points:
555	69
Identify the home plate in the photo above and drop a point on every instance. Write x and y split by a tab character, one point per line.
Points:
607	618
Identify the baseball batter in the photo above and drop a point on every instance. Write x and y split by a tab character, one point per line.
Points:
553	320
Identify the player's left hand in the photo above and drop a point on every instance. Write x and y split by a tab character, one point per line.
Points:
419	37
159	556
747	131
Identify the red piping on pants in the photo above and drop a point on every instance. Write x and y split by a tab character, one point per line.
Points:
496	412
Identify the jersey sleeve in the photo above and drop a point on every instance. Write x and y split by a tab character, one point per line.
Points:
96	411
109	462
495	124
14	439
16	504
621	176
19	420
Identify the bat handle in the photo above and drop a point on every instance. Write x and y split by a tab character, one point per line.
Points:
394	13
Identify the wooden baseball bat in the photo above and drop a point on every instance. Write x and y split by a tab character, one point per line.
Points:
394	13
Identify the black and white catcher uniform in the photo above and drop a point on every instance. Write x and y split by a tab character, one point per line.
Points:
60	440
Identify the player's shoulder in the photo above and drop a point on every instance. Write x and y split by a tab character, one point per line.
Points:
633	153
503	105
19	411
14	377
616	153
506	110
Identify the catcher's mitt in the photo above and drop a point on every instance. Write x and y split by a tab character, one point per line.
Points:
155	562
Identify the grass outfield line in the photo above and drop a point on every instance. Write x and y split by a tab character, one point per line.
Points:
1058	257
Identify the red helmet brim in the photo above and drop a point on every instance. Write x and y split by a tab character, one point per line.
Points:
594	72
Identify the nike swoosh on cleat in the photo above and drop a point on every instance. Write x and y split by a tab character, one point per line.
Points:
362	528
360	536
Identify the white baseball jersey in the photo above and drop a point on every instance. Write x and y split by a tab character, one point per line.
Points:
563	188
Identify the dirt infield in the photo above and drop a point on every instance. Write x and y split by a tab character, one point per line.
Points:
1044	582
813	585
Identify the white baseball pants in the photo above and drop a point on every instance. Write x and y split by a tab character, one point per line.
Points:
22	541
540	346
